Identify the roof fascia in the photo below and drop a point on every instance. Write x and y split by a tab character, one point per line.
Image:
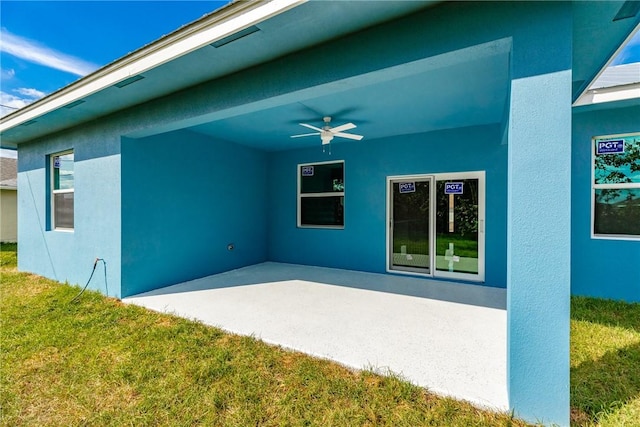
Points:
222	23
609	94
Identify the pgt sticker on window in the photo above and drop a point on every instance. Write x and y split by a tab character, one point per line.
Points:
407	187
307	170
613	146
56	162
453	187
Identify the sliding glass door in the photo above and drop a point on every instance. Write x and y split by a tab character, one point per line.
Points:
436	225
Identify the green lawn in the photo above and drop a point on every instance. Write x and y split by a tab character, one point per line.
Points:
464	246
100	362
605	362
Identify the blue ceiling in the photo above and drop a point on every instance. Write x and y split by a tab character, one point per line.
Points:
467	93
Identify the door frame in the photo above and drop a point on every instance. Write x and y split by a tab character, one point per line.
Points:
434	178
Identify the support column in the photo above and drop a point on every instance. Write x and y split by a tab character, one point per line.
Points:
539	247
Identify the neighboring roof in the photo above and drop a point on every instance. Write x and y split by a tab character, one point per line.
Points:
619	83
618	75
8	173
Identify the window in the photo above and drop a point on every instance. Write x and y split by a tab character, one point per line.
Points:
321	195
62	191
616	186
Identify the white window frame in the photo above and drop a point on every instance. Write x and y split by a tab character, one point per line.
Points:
328	194
617	186
434	178
54	191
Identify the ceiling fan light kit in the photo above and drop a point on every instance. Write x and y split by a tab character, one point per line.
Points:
327	133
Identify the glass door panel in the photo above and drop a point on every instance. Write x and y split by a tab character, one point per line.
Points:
458	226
410	241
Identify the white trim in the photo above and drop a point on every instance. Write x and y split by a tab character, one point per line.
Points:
609	94
593	187
330	194
220	24
434	178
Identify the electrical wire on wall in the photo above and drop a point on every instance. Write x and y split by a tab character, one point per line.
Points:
95	264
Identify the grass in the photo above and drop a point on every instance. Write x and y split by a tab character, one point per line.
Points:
100	362
8	254
464	246
605	363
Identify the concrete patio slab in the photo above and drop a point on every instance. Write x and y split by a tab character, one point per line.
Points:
451	339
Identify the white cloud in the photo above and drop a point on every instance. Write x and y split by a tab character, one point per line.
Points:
22	97
39	54
7	74
30	93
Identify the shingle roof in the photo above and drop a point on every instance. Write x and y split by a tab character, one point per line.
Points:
618	75
8	173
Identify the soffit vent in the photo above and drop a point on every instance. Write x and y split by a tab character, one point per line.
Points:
127	82
233	37
74	104
629	9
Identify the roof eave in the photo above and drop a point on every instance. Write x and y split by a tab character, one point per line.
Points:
219	24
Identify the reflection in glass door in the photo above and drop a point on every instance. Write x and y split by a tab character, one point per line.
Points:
458	226
410	225
436	224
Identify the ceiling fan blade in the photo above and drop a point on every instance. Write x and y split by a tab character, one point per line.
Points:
305	134
349	136
310	127
341	128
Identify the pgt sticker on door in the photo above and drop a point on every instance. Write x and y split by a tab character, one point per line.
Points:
453	187
613	146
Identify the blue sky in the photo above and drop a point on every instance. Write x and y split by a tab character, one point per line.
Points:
46	45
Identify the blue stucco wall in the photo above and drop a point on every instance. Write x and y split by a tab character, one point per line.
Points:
69	256
361	245
602	268
187	198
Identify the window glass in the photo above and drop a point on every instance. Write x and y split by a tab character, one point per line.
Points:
321	196
617	160
63	172
457	220
617	211
616	185
323	178
63	206
322	210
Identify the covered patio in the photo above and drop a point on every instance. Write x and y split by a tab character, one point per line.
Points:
447	337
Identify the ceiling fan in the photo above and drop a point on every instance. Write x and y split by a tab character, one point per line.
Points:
327	133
